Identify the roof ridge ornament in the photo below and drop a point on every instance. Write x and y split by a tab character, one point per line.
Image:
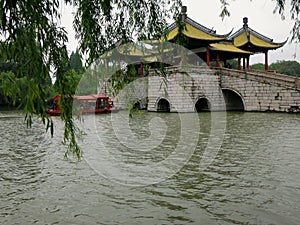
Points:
245	21
246	28
183	13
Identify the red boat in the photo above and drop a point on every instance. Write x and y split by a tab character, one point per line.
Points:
93	104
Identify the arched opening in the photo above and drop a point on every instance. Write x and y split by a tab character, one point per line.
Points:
137	105
233	100
202	105
140	104
163	105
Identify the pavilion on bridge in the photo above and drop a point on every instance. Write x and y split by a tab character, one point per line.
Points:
210	46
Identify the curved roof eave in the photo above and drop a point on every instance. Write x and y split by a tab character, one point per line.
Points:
248	35
209	31
198	31
256	41
228	47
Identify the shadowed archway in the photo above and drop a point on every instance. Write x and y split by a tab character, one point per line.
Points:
141	104
233	100
163	105
203	105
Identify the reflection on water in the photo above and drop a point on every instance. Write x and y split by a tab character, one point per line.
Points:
254	178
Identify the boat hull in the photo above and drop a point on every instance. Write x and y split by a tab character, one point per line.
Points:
57	113
88	104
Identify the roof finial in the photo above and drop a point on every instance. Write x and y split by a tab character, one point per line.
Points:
245	21
183	12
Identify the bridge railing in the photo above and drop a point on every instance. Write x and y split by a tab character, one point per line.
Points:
255	75
182	69
262	76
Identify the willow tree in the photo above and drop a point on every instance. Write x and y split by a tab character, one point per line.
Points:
30	30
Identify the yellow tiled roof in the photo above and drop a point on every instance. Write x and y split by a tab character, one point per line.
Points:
240	40
261	43
193	32
256	41
226	47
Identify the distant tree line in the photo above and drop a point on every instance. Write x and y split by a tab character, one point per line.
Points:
10	77
291	68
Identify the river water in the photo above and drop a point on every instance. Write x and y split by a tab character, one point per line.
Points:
253	178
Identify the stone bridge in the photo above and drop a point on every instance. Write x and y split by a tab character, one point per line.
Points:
191	89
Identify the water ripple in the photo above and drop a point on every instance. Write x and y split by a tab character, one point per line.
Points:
254	178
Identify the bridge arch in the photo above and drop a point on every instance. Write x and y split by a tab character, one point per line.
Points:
163	105
233	100
141	103
202	105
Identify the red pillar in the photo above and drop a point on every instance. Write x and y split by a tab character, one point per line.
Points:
141	69
207	56
239	63
266	61
217	61
248	62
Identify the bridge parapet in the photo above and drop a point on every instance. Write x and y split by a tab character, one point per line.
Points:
242	90
262	91
262	76
182	87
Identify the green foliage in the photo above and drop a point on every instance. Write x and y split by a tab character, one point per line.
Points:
224	12
67	89
70	81
7	66
99	25
75	62
232	64
12	90
258	66
79	81
7	81
286	67
88	84
36	44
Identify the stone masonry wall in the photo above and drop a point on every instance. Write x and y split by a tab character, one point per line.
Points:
183	86
260	94
132	93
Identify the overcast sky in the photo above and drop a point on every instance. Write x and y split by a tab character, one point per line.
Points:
206	12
